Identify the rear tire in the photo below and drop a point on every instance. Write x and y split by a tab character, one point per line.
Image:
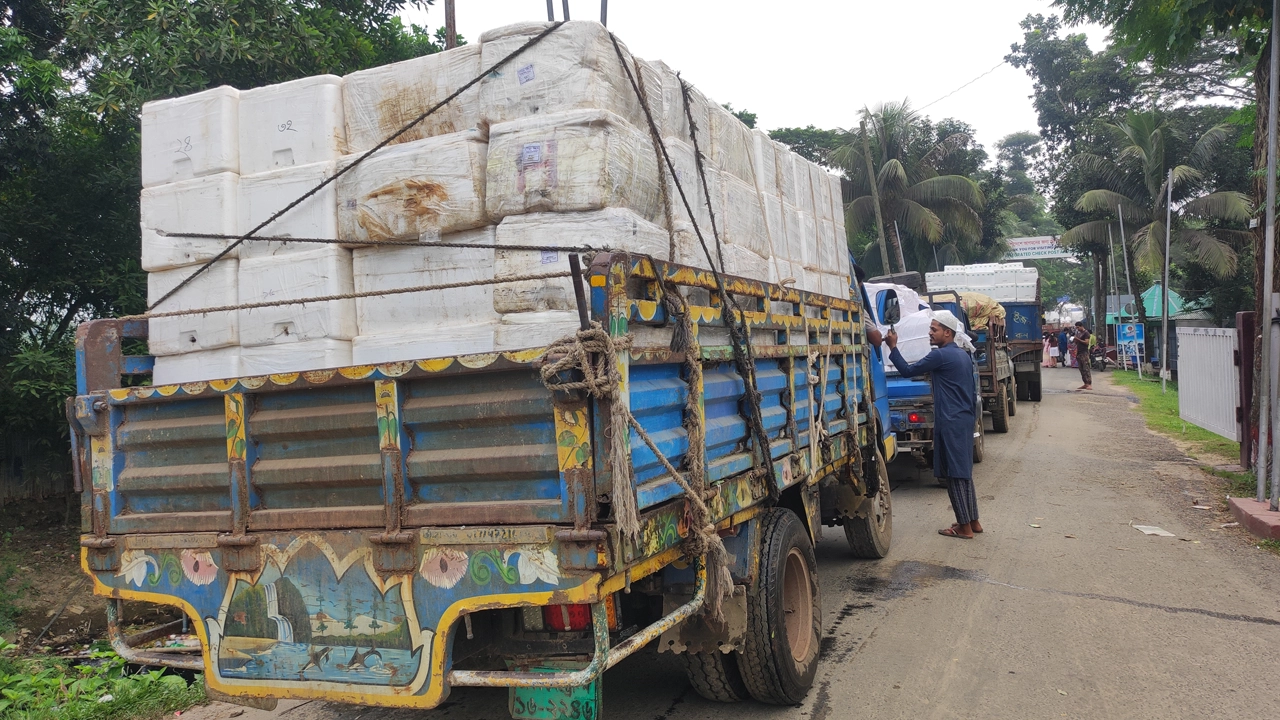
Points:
871	536
1013	397
1000	411
784	614
715	676
979	442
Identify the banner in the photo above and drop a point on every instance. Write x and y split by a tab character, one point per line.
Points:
1044	247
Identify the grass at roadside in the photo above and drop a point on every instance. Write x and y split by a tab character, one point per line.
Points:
43	688
1160	410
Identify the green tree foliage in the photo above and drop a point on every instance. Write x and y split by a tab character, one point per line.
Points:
922	208
73	76
809	142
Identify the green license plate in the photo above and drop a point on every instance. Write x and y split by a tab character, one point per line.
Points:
579	703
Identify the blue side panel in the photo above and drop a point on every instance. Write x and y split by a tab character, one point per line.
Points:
901	388
485	438
726	428
1022	320
771	381
658	397
801	398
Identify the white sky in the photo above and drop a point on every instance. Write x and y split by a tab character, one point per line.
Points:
818	62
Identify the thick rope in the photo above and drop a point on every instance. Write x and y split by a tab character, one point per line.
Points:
333	178
601	380
346	296
656	140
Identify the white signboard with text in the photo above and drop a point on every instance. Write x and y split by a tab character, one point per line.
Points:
1044	247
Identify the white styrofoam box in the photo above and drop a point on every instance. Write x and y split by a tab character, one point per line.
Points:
784	172
293	123
675	123
388	268
423	343
325	270
214	287
937	280
436	185
798	245
742	216
573	68
264	194
980	268
836	193
1001	292
380	101
570	162
834	284
190	136
204	205
731	144
295	357
828	259
1026	293
764	161
1026	276
774	227
196	366
954	269
519	331
682	157
615	228
1013	264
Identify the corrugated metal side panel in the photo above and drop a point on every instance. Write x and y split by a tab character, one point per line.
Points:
174	467
484	444
1208	379
316	449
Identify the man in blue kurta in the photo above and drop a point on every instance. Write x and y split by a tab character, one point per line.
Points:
954	407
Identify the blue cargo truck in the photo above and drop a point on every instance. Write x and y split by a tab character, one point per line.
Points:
1023	323
520	520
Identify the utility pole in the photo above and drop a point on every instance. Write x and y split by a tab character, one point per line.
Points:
875	198
898	245
1164	301
450	26
1124	249
1265	381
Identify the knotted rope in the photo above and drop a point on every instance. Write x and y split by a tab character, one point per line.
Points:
594	353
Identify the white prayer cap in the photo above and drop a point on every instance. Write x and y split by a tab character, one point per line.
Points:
947	320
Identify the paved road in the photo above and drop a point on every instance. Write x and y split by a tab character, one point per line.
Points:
1080	617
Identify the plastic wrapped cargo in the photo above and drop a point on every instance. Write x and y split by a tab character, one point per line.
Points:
681	154
293	123
675	123
295	357
325	270
614	228
203	205
430	186
573	68
264	194
764	161
196	366
784	172
191	136
774	227
381	100
834	284
571	162
436	311
738	261
742	218
402	345
731	144
981	309
214	287
828	259
519	331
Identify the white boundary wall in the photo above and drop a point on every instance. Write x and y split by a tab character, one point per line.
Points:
1209	379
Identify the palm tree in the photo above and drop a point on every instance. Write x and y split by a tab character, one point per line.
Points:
922	210
1137	181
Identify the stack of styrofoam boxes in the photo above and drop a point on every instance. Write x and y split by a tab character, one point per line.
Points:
551	151
1004	282
291	137
190	180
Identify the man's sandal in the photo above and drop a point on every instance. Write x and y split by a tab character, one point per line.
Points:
951	532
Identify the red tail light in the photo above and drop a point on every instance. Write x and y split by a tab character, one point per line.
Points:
913	417
565	618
